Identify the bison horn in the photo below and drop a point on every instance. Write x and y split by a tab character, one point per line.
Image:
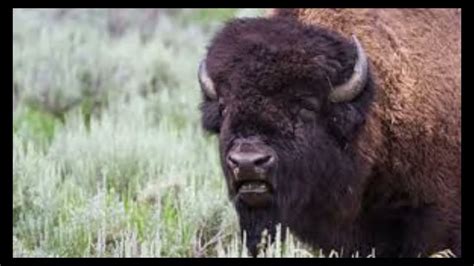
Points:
205	81
350	89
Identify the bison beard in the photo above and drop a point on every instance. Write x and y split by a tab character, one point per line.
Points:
302	198
300	211
254	221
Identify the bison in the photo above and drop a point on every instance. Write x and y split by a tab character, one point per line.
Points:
342	125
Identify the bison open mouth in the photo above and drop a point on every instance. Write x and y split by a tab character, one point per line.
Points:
255	193
256	186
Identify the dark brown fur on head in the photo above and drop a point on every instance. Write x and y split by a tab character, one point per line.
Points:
273	78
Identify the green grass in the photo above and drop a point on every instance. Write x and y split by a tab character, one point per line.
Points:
109	159
109	156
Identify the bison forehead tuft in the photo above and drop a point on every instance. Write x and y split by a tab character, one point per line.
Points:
270	54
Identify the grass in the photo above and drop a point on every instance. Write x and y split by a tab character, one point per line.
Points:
109	159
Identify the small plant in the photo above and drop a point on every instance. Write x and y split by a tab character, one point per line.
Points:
447	253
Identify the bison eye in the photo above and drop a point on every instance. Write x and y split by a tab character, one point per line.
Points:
222	107
308	108
224	111
311	103
306	115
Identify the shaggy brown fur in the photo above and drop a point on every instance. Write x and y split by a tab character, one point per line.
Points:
414	132
381	171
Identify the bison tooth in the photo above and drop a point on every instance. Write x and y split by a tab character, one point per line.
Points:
255	186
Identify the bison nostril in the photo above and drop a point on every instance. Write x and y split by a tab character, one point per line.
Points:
249	160
232	162
265	160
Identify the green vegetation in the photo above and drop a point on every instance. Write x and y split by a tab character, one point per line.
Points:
109	156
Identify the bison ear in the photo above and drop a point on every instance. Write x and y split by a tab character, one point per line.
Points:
347	119
346	123
210	116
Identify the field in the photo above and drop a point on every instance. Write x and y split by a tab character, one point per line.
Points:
109	158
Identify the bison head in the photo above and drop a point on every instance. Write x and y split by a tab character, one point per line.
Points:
287	102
